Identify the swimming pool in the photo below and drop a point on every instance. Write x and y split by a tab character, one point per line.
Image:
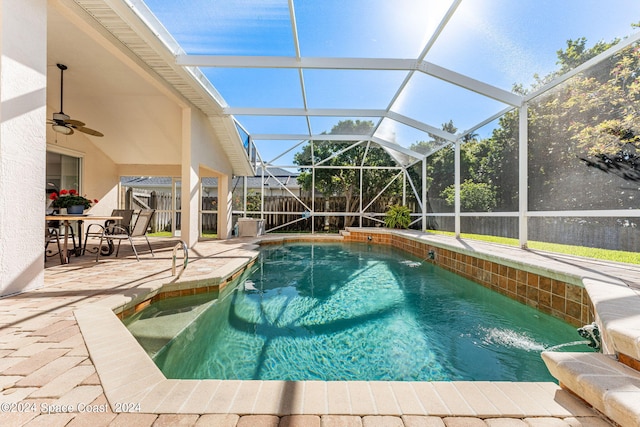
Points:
349	312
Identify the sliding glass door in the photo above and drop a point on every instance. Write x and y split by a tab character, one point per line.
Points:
63	172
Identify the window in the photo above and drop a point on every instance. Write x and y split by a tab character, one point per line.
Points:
63	171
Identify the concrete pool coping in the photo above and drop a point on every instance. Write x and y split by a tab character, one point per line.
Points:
90	292
129	376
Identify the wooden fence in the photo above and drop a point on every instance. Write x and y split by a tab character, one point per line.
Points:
606	233
139	199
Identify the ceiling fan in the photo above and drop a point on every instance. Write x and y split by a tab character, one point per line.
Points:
61	122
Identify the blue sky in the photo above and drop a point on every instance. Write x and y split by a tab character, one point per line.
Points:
500	42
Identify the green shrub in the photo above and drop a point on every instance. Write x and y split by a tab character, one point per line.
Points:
398	216
474	196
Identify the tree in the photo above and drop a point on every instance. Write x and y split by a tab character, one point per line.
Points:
498	162
474	196
611	140
590	119
346	182
482	161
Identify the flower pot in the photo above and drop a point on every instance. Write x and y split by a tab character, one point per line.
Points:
75	210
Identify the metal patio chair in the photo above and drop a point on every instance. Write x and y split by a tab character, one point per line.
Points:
96	230
120	233
52	235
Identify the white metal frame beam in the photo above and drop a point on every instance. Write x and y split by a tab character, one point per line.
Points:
322	112
300	136
380	64
421	126
315	63
523	175
396	147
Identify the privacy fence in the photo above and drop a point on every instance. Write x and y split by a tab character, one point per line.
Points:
288	214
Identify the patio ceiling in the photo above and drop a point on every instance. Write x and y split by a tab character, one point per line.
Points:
288	70
102	91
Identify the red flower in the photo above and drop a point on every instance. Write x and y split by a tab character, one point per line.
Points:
70	197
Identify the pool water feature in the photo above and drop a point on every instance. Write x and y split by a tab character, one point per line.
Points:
351	312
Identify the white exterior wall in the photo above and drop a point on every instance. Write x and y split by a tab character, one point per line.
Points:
23	72
208	155
189	181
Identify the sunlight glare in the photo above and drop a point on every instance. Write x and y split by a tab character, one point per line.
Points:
387	131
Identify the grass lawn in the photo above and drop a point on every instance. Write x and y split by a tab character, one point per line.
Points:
604	254
160	234
168	234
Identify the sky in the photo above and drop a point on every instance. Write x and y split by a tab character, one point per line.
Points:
499	42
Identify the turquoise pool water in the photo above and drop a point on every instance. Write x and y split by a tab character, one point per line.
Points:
350	312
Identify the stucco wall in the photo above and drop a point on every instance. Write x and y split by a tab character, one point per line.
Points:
23	71
206	149
207	153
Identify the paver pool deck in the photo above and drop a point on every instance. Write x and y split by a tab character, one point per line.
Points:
64	351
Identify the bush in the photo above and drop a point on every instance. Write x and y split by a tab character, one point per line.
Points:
398	216
474	196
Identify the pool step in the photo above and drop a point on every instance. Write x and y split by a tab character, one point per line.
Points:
606	384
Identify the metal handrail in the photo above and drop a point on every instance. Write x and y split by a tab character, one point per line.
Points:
185	258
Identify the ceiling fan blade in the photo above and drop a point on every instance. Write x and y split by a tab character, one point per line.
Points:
74	122
88	131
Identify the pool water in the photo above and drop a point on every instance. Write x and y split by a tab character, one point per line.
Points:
352	312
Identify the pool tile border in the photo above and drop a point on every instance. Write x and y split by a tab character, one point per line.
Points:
577	295
543	290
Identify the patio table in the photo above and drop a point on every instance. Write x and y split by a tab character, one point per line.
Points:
66	219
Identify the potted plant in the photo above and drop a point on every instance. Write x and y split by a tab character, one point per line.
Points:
70	200
397	216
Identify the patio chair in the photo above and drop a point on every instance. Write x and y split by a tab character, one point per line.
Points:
127	216
96	230
52	235
121	233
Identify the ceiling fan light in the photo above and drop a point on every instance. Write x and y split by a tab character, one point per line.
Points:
62	129
60	117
